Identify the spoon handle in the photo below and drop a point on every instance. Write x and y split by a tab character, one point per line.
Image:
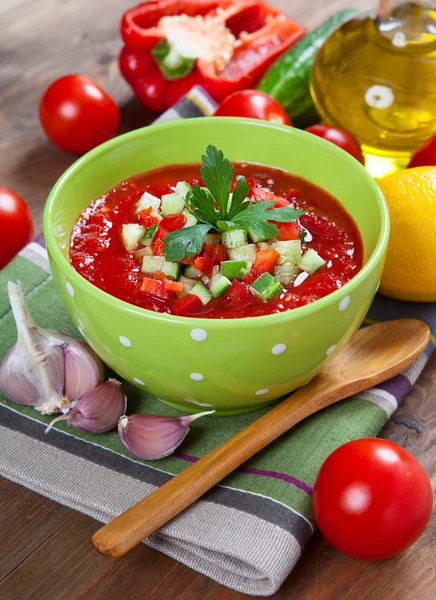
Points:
141	520
381	351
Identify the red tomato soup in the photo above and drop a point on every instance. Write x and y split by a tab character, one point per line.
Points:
99	253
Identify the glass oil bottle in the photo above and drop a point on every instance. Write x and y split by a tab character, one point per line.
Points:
375	76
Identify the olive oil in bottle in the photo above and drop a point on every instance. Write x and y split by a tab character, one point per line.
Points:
376	77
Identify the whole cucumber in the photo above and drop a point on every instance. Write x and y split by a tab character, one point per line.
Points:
288	79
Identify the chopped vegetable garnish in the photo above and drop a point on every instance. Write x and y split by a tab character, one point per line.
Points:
216	240
216	209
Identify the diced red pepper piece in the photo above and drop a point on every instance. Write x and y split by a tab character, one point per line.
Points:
289	231
155	288
204	265
263	194
265	262
217	252
158	243
187	304
170	286
173	222
262	32
146	218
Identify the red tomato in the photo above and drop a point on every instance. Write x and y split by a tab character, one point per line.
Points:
425	156
372	499
254	105
340	138
77	115
16	225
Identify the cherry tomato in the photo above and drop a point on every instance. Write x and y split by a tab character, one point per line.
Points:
340	138
372	499
425	156
253	105
16	226
77	115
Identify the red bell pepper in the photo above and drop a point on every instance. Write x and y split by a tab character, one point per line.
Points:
155	288
265	262
289	231
187	304
223	45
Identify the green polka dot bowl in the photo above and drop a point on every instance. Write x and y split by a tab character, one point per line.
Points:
235	365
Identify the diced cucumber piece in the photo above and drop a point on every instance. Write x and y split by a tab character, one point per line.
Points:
235	269
311	261
182	188
219	285
151	264
212	238
263	246
149	235
190	219
172	204
266	286
132	234
188	284
193	273
286	273
289	250
147	200
171	270
234	238
202	292
255	238
245	252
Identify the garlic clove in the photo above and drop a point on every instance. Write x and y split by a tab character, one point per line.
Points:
84	371
32	373
154	436
98	411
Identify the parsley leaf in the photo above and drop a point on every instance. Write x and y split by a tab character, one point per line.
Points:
185	242
217	174
202	205
264	211
239	196
216	209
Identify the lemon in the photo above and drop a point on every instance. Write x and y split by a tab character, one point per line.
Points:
410	270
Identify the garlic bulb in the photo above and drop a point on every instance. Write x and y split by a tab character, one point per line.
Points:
33	371
84	371
153	436
46	369
98	411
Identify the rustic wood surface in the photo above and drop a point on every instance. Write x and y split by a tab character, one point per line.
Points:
45	549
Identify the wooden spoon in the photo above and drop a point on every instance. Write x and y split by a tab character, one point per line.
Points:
373	355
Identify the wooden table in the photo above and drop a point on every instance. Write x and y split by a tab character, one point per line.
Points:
45	548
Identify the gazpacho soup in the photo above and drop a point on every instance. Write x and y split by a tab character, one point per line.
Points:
216	240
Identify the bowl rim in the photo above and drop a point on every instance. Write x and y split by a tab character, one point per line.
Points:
275	318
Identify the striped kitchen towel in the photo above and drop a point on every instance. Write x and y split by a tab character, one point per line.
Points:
249	531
